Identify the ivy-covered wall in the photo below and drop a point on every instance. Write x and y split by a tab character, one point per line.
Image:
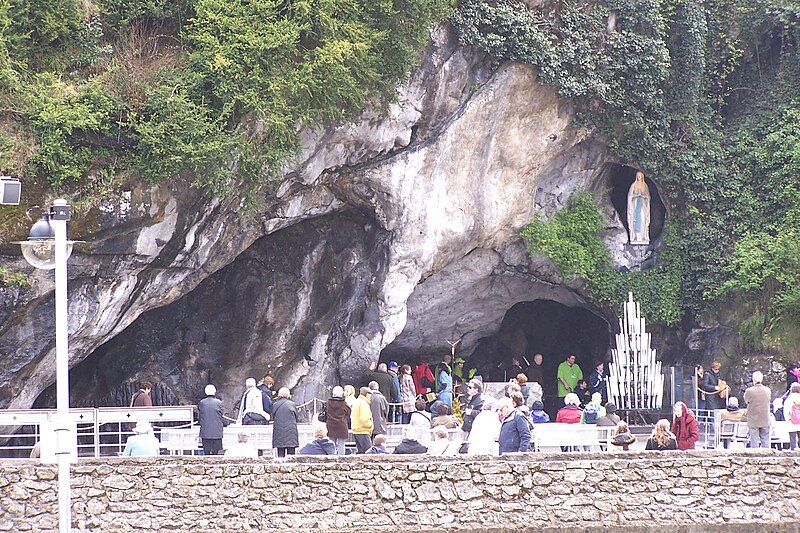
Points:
701	95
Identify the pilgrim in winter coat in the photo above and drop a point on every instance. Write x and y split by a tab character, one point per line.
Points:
410	446
210	417
685	428
337	413
379	407
515	434
408	394
284	430
471	410
569	414
538	416
323	446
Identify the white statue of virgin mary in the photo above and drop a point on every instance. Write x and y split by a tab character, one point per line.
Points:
639	211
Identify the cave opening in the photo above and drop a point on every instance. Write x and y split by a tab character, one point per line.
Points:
546	327
262	313
619	181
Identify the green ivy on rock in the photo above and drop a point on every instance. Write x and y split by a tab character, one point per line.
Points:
571	240
208	91
703	96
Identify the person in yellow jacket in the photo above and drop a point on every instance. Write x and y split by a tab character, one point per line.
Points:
361	420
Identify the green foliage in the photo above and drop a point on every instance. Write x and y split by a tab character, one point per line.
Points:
208	91
10	278
177	138
617	77
70	125
302	64
120	13
571	240
51	34
704	97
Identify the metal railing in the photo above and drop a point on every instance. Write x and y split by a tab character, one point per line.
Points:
100	432
708	422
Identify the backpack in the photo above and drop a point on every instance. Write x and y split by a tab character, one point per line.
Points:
795	413
590	414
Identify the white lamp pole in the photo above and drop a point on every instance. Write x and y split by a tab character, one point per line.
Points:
47	248
59	218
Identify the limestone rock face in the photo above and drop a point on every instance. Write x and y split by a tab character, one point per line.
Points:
395	228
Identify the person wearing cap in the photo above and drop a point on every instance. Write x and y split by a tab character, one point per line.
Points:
611	418
361	420
336	414
732	413
396	397
142	443
758	398
211	421
459	373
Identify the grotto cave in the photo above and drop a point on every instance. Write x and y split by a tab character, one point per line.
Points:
546	327
272	309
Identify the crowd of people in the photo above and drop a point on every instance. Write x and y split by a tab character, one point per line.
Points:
762	410
445	410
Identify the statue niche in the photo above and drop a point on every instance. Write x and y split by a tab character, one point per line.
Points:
639	211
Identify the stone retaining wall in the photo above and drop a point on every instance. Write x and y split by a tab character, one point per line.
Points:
745	490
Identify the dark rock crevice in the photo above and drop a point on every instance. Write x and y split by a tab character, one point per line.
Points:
288	295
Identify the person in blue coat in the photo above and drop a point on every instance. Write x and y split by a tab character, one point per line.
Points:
142	442
321	445
515	434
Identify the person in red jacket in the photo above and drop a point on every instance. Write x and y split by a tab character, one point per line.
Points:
571	412
684	427
423	379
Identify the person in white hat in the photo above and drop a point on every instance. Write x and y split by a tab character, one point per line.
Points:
142	442
211	421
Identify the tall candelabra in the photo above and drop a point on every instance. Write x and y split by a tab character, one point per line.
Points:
635	380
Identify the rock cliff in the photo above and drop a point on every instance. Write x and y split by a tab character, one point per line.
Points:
398	230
